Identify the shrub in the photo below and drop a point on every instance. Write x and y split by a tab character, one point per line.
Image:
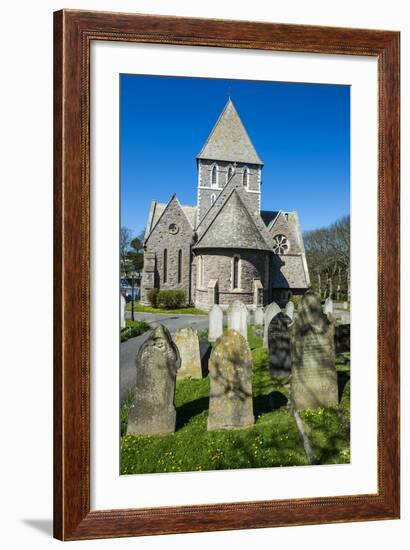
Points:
134	328
153	296
171	299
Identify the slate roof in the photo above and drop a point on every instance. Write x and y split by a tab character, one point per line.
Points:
229	141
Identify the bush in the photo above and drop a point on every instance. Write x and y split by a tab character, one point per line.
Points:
171	299
133	328
153	296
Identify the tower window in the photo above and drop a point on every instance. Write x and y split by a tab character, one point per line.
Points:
245	177
165	266
214	182
229	174
179	265
235	272
213	199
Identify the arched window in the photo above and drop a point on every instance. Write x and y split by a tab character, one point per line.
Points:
165	266
213	199
229	174
235	272
245	177
200	274
179	265
214	180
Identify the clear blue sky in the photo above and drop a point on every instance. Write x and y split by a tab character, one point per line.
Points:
301	132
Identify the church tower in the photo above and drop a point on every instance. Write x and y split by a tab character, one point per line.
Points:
228	154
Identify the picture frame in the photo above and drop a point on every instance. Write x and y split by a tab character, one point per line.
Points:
74	32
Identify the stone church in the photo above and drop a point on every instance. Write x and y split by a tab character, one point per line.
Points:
226	247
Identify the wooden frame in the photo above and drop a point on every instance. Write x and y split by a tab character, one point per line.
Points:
74	31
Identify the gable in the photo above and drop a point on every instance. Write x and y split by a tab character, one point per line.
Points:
284	224
232	227
166	215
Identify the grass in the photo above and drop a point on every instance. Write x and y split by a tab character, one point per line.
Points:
273	441
180	311
133	328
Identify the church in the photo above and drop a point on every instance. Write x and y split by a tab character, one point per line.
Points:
225	248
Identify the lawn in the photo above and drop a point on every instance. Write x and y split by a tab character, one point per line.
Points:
274	440
180	311
133	328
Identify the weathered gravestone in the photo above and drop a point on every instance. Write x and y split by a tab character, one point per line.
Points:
280	362
328	307
238	318
153	409
122	311
187	343
230	372
290	309
314	377
215	319
259	316
270	312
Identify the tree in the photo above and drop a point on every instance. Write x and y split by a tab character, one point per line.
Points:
125	240
328	258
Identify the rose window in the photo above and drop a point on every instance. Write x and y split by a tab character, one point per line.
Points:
281	244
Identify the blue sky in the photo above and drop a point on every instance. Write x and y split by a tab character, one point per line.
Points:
300	131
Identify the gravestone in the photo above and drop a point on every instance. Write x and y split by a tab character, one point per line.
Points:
259	316
280	362
153	409
328	307
238	318
290	309
230	372
270	312
342	338
122	311
187	343
215	319
314	377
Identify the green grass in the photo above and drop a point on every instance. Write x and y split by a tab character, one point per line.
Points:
180	311
133	328
273	441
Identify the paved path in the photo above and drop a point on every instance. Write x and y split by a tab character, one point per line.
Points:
129	348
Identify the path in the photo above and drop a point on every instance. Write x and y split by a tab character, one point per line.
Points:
128	349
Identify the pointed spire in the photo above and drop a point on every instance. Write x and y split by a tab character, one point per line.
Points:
229	141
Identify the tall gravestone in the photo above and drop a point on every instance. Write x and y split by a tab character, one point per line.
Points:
280	362
259	316
314	377
153	409
122	311
290	309
230	372
238	318
215	320
270	312
187	343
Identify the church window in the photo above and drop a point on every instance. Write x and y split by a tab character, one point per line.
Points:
229	174
165	266
213	199
281	244
200	271
235	272
179	265
214	181
245	177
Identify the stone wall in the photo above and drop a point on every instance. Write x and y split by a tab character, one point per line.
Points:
217	264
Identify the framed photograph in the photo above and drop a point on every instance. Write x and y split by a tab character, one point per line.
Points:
226	287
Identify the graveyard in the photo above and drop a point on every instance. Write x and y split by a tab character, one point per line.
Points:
273	391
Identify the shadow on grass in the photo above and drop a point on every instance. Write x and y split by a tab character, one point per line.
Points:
189	410
268	403
342	379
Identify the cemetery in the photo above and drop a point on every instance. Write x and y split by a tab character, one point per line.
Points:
262	387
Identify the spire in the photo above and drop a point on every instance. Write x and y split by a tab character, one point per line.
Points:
229	141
